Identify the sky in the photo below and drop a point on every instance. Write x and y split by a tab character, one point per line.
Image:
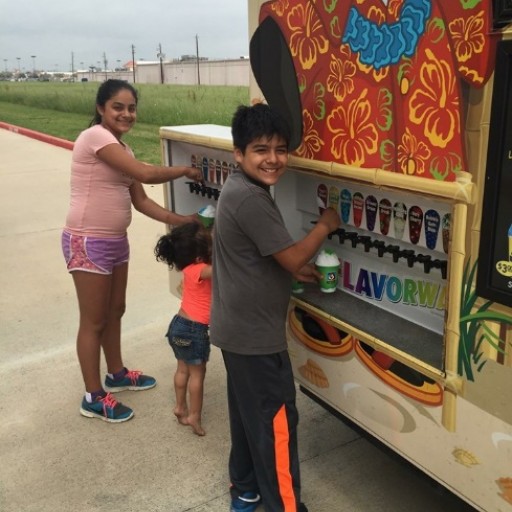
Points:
57	32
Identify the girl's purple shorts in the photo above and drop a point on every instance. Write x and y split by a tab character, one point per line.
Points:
99	255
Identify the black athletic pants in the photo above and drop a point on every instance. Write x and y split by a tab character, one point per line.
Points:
263	420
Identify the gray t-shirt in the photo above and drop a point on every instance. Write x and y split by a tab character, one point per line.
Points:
250	290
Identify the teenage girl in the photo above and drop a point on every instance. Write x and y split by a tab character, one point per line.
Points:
106	181
188	249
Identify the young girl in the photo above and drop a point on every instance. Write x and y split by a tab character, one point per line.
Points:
106	181
188	249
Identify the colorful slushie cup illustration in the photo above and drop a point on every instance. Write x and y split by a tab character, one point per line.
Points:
321	197
218	171
445	228
370	207
399	218
384	215
357	208
432	225
328	264
334	198
510	243
207	215
225	172
415	224
205	168
504	267
345	205
211	170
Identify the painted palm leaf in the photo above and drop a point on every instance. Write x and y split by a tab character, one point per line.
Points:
473	328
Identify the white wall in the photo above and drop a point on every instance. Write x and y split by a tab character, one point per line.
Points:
211	72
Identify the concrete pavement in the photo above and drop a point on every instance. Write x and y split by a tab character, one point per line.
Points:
52	459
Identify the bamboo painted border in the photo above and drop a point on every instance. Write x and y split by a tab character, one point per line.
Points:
177	134
461	190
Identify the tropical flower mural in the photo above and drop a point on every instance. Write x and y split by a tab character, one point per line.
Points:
380	82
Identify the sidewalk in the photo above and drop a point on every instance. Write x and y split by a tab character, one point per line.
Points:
53	459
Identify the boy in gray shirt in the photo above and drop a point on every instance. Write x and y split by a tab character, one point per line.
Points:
254	261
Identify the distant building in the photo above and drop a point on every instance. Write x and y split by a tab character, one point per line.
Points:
185	71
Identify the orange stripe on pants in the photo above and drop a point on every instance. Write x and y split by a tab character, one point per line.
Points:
281	446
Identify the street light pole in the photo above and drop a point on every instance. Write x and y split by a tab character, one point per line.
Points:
133	62
197	60
161	56
33	64
105	65
19	65
5	64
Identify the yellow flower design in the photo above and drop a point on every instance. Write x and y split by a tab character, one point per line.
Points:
468	36
378	74
377	14
412	154
394	7
340	80
306	39
311	141
471	75
435	103
280	6
355	134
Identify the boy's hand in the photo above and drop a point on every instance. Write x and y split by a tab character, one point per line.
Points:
193	173
308	274
330	219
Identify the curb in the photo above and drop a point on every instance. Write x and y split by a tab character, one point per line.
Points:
43	137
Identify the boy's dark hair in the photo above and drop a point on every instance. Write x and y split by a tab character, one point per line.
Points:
255	122
108	89
184	245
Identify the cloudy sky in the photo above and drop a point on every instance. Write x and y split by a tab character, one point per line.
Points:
54	30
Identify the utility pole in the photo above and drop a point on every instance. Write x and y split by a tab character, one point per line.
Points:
73	66
105	63
161	56
133	62
197	60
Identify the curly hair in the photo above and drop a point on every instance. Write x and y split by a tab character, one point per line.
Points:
257	121
184	245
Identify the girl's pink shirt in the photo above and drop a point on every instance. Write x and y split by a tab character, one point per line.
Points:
197	293
100	203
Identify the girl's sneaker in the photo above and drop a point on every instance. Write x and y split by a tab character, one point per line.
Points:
133	380
106	408
246	502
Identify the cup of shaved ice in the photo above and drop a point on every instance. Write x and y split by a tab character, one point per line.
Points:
328	264
207	216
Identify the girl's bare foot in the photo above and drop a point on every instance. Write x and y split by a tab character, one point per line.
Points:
195	422
197	428
181	416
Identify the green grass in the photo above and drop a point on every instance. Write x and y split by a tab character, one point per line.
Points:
65	109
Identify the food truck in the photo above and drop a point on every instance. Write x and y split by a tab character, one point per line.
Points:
401	119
